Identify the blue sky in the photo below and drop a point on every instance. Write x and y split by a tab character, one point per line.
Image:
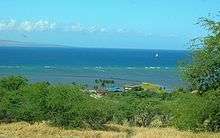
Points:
148	24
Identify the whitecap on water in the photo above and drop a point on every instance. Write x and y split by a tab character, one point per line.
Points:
130	68
49	67
10	67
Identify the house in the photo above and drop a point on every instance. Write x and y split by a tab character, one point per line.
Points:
115	89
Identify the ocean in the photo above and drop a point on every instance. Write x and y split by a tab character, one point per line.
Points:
83	65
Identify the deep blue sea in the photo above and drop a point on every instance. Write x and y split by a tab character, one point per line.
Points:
84	65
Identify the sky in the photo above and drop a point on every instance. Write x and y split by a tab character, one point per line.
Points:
141	24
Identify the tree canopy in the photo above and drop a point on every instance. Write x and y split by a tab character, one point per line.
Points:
203	73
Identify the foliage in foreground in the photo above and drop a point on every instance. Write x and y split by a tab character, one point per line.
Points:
71	106
195	112
203	73
66	106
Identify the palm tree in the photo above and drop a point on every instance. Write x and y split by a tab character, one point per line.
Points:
102	84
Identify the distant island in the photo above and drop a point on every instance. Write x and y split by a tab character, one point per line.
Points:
11	43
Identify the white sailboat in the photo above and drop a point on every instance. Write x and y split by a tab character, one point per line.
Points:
156	55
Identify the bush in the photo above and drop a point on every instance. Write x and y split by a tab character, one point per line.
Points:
9	105
66	106
138	109
195	112
27	104
13	82
33	106
212	111
70	107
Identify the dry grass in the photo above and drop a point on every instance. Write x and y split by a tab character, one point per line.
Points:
25	130
170	133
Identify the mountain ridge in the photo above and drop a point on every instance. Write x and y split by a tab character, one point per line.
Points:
12	43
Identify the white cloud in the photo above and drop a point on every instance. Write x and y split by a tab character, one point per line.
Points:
76	27
123	30
27	26
93	29
103	30
45	25
42	25
7	25
52	25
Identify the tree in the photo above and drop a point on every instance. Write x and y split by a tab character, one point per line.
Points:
203	73
102	84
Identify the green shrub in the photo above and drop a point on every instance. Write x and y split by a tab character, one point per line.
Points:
9	105
27	104
12	83
138	109
33	106
68	106
195	112
212	111
142	95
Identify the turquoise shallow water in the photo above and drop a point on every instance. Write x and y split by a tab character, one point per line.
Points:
167	77
83	65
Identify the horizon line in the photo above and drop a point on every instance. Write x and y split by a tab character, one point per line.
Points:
21	44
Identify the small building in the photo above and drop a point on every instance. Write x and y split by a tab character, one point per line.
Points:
115	89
